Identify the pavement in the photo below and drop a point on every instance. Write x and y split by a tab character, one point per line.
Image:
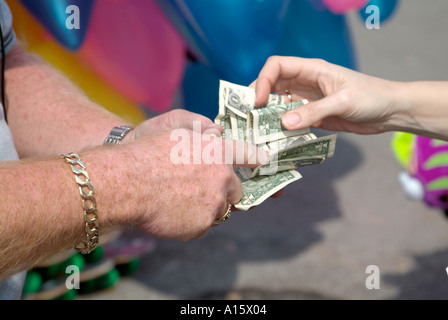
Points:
343	216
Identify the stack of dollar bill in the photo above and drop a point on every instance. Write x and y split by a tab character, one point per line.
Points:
261	126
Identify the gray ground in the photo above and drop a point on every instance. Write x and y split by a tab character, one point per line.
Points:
350	212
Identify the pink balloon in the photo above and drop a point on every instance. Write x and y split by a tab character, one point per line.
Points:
134	47
342	6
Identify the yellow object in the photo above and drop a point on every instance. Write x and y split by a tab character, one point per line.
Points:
403	146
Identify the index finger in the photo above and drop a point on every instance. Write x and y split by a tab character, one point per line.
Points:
278	72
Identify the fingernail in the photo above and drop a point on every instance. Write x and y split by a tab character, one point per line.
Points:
291	120
213	130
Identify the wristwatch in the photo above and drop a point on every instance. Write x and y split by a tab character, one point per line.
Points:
117	134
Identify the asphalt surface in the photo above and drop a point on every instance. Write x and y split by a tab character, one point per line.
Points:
344	215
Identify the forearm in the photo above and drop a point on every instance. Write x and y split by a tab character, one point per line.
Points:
41	208
48	114
422	108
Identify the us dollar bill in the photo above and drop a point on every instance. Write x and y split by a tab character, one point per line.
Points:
241	100
286	165
265	123
283	144
319	147
297	154
261	126
256	190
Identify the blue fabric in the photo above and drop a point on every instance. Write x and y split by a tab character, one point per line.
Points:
6	20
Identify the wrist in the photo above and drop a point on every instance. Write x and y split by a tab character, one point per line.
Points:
118	134
420	108
400	105
110	173
130	137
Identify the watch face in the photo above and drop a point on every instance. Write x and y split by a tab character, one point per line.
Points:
118	132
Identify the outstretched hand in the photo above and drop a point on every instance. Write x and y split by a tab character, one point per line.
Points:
340	99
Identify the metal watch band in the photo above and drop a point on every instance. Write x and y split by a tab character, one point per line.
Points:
117	134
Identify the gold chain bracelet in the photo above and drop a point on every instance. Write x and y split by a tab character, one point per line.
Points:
88	203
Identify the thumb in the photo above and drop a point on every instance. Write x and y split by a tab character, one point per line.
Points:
308	114
195	122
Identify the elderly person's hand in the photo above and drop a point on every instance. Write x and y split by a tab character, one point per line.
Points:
175	119
183	181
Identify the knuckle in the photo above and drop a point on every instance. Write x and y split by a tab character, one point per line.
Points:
229	174
223	173
319	62
219	203
344	97
175	115
273	59
311	110
178	112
